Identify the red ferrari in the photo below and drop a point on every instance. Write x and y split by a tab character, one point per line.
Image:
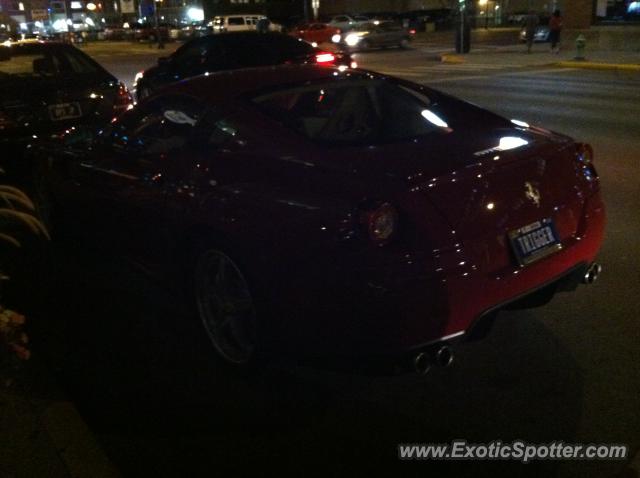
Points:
337	212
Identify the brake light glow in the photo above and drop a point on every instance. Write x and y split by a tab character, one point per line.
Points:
412	31
325	58
123	100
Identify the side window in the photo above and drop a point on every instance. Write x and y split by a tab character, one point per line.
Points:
344	114
215	130
157	128
353	112
235	21
216	56
191	54
76	63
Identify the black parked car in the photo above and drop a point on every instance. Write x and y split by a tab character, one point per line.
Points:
47	88
230	51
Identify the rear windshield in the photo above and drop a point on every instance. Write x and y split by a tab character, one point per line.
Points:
353	112
34	61
253	49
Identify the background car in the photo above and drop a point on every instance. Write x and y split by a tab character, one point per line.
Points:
347	22
229	51
116	32
47	88
382	16
149	32
382	35
328	212
541	34
315	32
193	30
240	23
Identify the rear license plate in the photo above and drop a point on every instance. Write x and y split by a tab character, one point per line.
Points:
63	111
534	241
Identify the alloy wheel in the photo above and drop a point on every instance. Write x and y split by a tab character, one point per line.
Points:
226	307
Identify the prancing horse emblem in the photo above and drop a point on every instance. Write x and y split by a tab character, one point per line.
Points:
532	193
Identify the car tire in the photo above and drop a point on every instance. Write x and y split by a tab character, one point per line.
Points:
226	308
404	43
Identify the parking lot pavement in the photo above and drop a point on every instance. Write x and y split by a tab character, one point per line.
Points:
157	405
126	48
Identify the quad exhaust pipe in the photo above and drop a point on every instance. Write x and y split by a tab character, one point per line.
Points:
422	363
440	355
592	273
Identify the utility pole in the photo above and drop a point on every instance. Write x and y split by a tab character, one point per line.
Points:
158	36
463	32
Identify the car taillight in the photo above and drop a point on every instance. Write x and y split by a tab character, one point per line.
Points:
412	31
381	223
324	58
123	100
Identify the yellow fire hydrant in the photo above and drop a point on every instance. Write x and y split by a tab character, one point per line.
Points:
581	43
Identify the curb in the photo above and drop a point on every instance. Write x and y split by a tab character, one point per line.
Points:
591	65
451	58
75	444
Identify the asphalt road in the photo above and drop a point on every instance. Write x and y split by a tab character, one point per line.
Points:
567	371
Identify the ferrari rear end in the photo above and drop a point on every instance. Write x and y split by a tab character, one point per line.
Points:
458	213
518	219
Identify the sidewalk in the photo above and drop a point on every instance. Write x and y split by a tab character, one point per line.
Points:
516	56
513	54
42	434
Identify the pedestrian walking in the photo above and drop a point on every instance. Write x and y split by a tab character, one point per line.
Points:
555	27
262	26
530	25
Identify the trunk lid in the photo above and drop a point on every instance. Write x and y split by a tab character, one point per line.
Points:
491	182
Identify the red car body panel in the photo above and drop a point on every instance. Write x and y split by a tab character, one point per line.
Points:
315	32
295	225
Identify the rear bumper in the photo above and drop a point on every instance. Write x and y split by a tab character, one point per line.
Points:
409	305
